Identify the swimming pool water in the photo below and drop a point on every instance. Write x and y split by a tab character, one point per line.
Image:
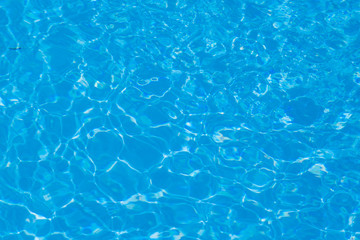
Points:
155	119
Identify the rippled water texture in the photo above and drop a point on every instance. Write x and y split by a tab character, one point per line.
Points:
179	119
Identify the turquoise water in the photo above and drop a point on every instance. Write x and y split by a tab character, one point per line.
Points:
180	119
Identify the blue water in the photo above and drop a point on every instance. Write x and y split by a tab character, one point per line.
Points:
180	119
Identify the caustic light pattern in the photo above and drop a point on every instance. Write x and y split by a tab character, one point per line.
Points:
161	119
